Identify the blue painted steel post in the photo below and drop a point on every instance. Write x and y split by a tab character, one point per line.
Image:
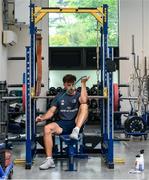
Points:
33	69
30	90
102	82
107	105
28	110
71	154
104	47
110	115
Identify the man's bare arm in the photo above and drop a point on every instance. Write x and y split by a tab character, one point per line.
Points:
47	115
84	96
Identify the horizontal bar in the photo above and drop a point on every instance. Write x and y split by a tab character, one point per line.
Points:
121	58
50	97
18	137
123	85
128	98
121	112
69	10
14	85
3	91
97	97
16	112
12	98
19	58
19	85
135	133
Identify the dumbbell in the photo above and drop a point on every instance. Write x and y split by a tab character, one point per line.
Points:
93	90
52	91
88	90
59	89
79	89
93	104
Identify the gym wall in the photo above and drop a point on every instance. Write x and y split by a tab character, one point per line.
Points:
55	77
133	20
3	51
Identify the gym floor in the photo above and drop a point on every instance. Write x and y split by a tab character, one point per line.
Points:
91	168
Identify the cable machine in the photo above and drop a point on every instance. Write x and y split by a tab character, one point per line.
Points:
101	15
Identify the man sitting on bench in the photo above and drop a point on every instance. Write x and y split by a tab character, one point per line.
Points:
72	110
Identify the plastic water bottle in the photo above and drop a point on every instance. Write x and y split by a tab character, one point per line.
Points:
141	163
137	162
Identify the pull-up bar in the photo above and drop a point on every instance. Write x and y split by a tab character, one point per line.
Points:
40	12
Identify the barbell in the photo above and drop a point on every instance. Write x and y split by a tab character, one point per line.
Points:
53	91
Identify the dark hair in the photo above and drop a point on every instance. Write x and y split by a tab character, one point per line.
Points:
69	78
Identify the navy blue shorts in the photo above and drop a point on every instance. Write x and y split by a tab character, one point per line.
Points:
66	125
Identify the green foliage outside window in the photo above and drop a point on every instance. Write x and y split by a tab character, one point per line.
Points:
80	29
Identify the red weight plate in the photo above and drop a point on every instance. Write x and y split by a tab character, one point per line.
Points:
116	96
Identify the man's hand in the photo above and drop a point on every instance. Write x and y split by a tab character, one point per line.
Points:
83	80
39	119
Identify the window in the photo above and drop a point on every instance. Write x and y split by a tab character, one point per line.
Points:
80	29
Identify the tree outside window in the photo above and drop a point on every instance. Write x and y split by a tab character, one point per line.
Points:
78	30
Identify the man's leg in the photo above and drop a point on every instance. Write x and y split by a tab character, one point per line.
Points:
80	120
82	115
48	142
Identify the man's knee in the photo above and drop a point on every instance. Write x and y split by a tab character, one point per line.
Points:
84	107
47	129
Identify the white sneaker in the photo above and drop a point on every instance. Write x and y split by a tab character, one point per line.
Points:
48	163
74	134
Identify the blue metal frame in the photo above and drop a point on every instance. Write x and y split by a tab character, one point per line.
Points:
30	90
106	105
110	115
28	109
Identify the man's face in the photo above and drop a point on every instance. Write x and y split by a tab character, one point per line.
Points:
68	85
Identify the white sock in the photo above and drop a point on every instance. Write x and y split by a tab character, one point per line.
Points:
49	157
77	129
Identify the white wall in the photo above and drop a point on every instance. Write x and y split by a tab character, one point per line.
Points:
55	77
134	20
17	67
43	25
3	51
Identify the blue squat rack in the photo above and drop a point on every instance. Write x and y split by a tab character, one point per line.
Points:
101	15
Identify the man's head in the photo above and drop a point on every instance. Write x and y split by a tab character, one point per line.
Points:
69	78
69	81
